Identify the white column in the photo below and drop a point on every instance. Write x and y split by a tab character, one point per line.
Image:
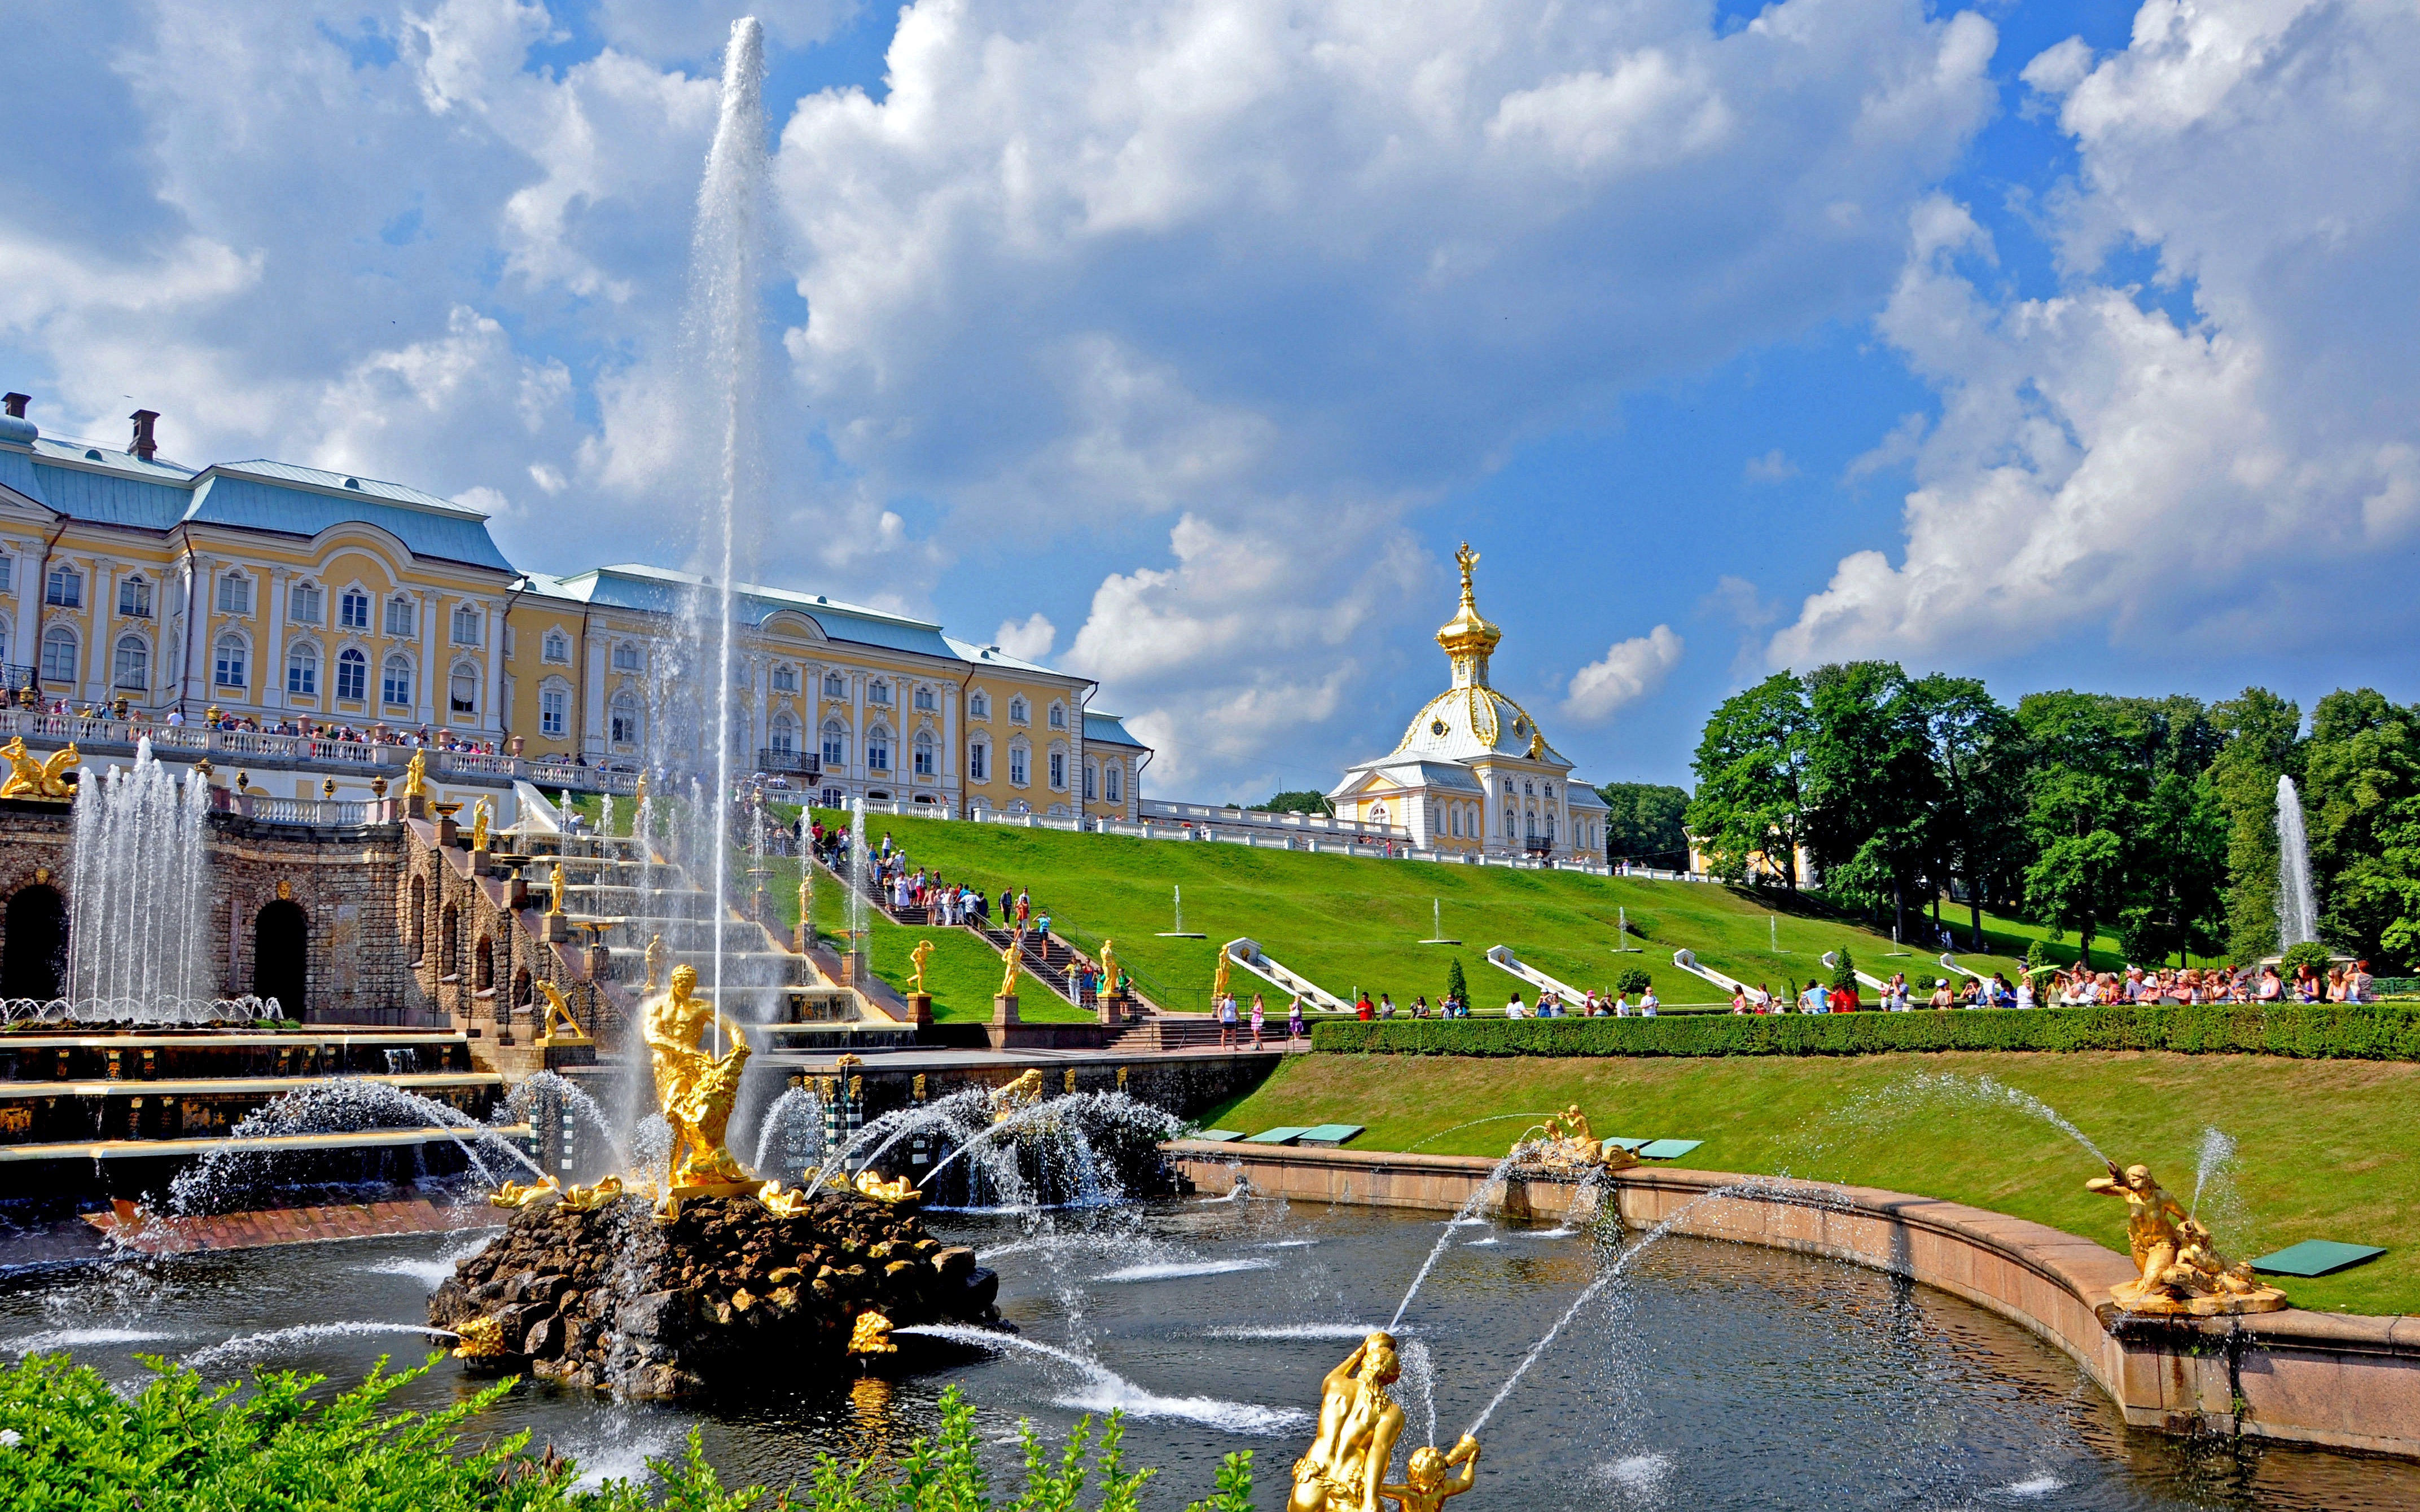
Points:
493	714
857	767
26	641
600	653
429	674
273	646
96	675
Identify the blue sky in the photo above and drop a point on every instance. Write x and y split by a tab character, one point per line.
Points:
1178	343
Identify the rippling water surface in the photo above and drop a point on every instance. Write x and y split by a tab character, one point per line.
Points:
1708	1376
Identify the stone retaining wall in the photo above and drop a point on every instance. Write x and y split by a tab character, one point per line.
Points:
2326	1378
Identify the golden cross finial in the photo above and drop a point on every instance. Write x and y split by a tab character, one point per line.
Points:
1465	559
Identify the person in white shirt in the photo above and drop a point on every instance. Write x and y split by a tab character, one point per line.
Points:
1649	1002
1514	1009
2025	991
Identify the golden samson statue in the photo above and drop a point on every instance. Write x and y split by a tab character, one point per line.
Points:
696	1089
2182	1272
1359	1425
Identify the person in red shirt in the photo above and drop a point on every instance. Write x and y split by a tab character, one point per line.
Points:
1844	998
1363	1010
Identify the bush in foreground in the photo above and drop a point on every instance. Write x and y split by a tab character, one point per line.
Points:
2320	1031
68	1440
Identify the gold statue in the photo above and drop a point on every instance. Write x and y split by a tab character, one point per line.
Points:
902	1190
1569	1147
1218	980
561	1028
2183	1271
785	1204
1358	1424
696	1089
1465	559
1426	1485
872	1336
589	1198
917	958
1571	1125
656	955
481	1338
1108	968
479	825
554	904
1016	1097
1011	959
415	776
516	1195
31	779
640	797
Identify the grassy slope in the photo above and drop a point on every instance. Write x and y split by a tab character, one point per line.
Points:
2327	1148
1347	922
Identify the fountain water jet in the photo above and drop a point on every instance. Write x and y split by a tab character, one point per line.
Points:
139	892
2297	906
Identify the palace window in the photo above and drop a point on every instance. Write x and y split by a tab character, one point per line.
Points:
133	666
979	706
302	670
1111	783
65	588
978	763
303	604
835	685
467	621
1058	717
924	763
556	647
399	615
1092	781
462	688
1016	714
58	654
926	700
784	736
835	743
878	749
553	709
234	593
352	676
395	681
134	598
624	719
625	657
785	678
7	572
877	691
1059	770
226	662
353	610
1016	769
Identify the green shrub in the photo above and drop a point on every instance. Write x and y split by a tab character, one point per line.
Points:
71	1441
1456	986
2309	954
1634	982
2381	1031
1845	974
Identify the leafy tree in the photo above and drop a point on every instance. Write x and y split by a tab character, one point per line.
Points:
1633	981
1844	972
1298	800
1871	785
2177	865
1974	832
1456	986
2363	811
1645	823
1752	778
2263	743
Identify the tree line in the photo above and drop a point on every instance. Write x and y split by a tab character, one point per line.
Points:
2148	821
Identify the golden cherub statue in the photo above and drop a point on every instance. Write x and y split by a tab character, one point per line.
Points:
479	825
31	779
1011	960
2182	1272
1358	1424
696	1089
655	957
916	959
415	776
554	904
1426	1485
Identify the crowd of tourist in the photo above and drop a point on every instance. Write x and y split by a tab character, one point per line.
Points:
422	738
2063	987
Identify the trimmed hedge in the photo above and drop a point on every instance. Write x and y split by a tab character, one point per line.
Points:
2317	1031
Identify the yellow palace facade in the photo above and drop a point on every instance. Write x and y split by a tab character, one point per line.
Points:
287	593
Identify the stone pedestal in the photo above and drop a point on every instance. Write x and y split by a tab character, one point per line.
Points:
480	863
449	834
1003	1009
516	892
853	971
1111	1008
558	928
416	808
920	1010
601	961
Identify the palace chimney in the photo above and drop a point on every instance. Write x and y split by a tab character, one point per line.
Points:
16	402
145	445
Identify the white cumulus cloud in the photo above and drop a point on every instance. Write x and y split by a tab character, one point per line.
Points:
1629	670
1029	642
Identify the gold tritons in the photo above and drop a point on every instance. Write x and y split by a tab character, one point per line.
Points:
31	779
1016	1097
2182	1270
1359	1425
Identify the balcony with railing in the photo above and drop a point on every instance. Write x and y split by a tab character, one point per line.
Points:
794	762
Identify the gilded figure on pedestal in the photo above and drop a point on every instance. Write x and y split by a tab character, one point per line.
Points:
1359	1425
695	1088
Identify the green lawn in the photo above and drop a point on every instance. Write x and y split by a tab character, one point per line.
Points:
1350	922
2327	1148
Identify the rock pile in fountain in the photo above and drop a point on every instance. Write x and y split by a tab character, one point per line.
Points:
609	1299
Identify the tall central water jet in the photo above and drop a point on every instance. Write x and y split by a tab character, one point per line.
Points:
2297	906
723	338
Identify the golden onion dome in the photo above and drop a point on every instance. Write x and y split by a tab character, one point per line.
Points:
1467	635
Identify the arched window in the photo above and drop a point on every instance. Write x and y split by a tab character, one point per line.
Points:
924	763
1017	711
468	624
234	593
302	602
784	736
1112	783
394	680
878	749
926	700
134	597
624	718
1058	717
835	685
554	708
625	657
58	654
352	675
227	662
131	667
557	646
401	615
979	706
65	588
353	610
302	669
835	743
877	691
785	677
462	688
978	763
